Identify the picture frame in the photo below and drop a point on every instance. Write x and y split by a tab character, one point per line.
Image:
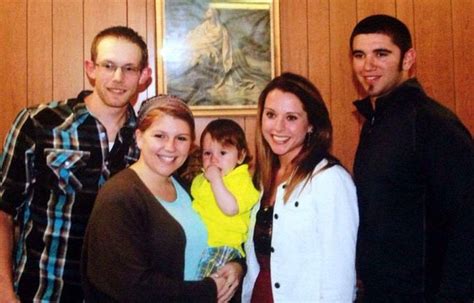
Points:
217	55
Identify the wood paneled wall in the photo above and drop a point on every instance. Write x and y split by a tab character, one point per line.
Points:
43	44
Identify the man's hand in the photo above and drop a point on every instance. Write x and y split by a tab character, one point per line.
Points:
221	284
8	297
7	294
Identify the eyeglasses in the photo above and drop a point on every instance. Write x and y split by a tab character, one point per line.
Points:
127	70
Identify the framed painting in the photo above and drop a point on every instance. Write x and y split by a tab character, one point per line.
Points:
217	55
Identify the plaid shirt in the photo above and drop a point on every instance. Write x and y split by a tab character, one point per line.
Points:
56	157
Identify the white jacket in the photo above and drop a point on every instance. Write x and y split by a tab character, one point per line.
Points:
314	241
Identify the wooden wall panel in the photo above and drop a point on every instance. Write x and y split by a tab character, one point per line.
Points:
345	124
294	36
136	16
434	46
405	12
463	35
13	62
151	42
40	51
370	7
201	123
319	69
136	19
68	49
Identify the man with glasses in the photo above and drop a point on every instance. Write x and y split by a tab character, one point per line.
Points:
56	157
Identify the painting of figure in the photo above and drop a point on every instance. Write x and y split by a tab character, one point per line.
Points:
217	53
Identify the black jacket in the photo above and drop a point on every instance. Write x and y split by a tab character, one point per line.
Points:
414	172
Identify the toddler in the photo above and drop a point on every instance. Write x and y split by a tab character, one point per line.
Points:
224	193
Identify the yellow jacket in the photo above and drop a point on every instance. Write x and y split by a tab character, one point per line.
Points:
226	230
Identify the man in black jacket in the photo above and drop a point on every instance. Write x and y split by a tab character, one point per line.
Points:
414	172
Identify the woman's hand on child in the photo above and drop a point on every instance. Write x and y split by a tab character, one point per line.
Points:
233	273
221	284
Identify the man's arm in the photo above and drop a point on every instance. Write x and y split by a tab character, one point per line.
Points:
6	248
16	176
448	157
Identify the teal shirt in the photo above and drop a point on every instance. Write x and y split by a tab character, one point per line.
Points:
194	229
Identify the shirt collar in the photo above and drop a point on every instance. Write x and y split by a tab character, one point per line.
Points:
128	129
364	106
238	170
80	112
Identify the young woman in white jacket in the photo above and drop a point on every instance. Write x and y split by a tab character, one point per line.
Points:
302	237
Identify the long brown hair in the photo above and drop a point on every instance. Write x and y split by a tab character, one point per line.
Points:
317	143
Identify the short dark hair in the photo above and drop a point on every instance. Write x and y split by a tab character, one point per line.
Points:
228	132
122	32
385	24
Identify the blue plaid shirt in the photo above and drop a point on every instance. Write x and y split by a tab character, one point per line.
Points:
56	157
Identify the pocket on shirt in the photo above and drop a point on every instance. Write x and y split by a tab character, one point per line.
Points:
64	163
304	217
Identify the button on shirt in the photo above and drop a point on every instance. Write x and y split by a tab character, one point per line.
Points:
56	157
